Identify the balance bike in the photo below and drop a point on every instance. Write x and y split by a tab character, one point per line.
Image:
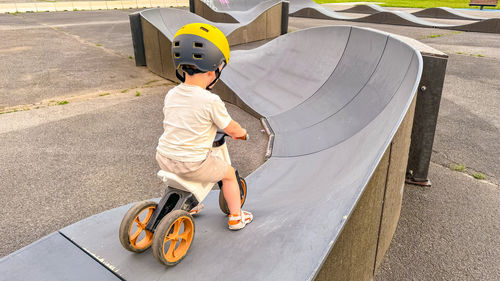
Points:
167	226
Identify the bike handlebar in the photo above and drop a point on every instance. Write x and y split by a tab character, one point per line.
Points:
221	132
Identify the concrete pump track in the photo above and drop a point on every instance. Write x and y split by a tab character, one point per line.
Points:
437	13
309	9
334	97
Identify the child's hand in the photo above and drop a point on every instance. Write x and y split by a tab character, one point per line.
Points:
242	136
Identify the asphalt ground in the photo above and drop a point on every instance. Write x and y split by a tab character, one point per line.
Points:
63	163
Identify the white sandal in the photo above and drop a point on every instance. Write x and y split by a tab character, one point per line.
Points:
237	222
197	209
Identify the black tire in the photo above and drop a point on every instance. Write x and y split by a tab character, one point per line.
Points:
179	226
133	218
243	194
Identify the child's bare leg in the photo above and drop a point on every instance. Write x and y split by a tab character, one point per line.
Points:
231	191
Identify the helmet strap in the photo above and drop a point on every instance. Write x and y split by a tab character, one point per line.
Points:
182	77
217	75
190	71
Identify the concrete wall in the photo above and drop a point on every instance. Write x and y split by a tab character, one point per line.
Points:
265	26
367	234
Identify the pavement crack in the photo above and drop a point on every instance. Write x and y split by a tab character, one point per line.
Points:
63	100
79	39
469	173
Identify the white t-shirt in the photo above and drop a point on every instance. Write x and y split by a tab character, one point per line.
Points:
192	116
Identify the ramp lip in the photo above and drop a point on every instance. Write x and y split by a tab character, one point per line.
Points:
270	133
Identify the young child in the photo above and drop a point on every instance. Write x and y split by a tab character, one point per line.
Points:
193	114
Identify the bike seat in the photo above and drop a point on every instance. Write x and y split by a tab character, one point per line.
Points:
198	189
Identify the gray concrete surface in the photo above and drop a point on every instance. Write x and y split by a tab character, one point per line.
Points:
447	232
83	55
47	183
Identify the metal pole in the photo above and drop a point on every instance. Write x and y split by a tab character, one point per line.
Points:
425	120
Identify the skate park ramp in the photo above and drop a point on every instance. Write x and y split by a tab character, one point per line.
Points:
168	21
310	9
232	11
159	26
364	9
334	97
445	13
437	13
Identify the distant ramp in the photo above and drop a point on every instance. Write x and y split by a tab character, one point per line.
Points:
400	18
310	9
445	13
437	13
364	9
232	11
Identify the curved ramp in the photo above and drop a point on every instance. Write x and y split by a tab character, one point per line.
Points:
364	9
160	24
437	13
332	124
400	18
309	9
445	13
232	11
403	18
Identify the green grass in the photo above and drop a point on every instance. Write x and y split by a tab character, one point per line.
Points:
458	167
98	45
137	93
124	91
105	94
479	176
63	102
480	56
414	4
130	57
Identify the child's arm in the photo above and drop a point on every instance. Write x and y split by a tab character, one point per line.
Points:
235	130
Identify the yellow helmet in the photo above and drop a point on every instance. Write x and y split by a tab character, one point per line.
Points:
201	45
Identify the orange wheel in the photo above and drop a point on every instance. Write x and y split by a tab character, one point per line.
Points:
243	195
173	237
133	234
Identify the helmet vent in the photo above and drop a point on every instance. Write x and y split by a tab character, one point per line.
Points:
176	43
198	45
177	55
197	56
204	29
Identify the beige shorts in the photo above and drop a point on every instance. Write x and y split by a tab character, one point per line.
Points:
212	169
